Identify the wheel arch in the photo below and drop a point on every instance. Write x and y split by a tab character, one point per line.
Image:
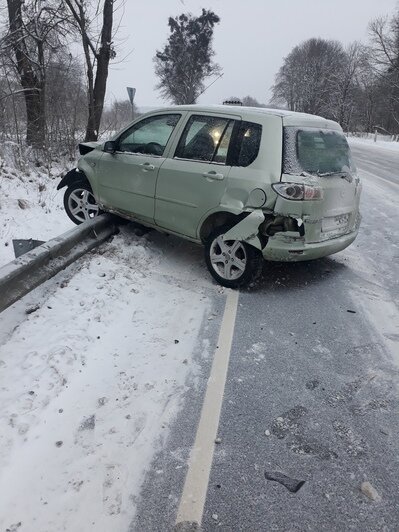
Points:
218	219
73	176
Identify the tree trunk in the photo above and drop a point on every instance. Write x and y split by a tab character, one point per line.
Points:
32	84
96	99
36	120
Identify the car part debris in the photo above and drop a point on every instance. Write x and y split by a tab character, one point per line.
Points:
293	485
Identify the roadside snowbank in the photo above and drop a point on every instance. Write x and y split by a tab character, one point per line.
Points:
30	205
91	377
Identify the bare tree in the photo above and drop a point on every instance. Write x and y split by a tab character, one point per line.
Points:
12	104
344	85
384	33
309	72
66	109
249	101
357	86
34	34
365	94
98	51
117	115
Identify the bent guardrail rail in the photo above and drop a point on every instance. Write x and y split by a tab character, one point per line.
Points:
22	275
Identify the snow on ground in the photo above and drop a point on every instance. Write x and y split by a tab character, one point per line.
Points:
93	365
30	205
382	145
92	372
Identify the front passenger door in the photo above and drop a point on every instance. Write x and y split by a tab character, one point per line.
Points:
127	178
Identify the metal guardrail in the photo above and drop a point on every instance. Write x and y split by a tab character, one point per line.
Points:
22	275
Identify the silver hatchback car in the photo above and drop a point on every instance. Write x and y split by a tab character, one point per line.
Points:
248	183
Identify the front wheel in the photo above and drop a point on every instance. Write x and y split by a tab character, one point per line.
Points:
79	202
232	263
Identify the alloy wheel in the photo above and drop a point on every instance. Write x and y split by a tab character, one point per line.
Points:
82	205
228	258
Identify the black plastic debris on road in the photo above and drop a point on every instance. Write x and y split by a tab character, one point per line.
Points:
293	485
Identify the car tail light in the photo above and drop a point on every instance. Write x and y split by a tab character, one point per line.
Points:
298	192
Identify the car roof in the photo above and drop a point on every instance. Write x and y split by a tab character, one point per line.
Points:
289	118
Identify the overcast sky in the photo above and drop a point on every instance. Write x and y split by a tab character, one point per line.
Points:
250	42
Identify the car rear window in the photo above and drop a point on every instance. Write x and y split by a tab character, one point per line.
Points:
316	151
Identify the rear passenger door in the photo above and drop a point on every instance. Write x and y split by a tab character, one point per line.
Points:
193	181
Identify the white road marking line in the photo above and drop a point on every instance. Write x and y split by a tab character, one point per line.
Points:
192	501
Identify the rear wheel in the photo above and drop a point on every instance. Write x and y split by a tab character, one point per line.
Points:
232	263
79	202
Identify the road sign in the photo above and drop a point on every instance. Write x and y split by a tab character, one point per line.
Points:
131	92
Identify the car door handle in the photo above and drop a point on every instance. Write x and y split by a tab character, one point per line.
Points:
147	166
213	175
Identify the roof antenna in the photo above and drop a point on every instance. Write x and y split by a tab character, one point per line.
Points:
206	88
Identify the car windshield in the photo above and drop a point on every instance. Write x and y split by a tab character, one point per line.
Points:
314	151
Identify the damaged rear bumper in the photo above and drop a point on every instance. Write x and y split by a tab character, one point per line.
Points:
285	248
294	239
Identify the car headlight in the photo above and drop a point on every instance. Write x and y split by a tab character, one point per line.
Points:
298	192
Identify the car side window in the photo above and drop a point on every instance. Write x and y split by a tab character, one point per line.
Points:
149	136
205	138
246	144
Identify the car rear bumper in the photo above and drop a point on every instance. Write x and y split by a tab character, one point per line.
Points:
284	248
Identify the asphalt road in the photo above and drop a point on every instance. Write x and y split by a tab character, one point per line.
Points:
378	161
311	391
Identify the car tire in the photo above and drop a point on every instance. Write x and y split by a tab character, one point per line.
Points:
232	263
79	202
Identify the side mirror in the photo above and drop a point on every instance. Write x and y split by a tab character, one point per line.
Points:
110	146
